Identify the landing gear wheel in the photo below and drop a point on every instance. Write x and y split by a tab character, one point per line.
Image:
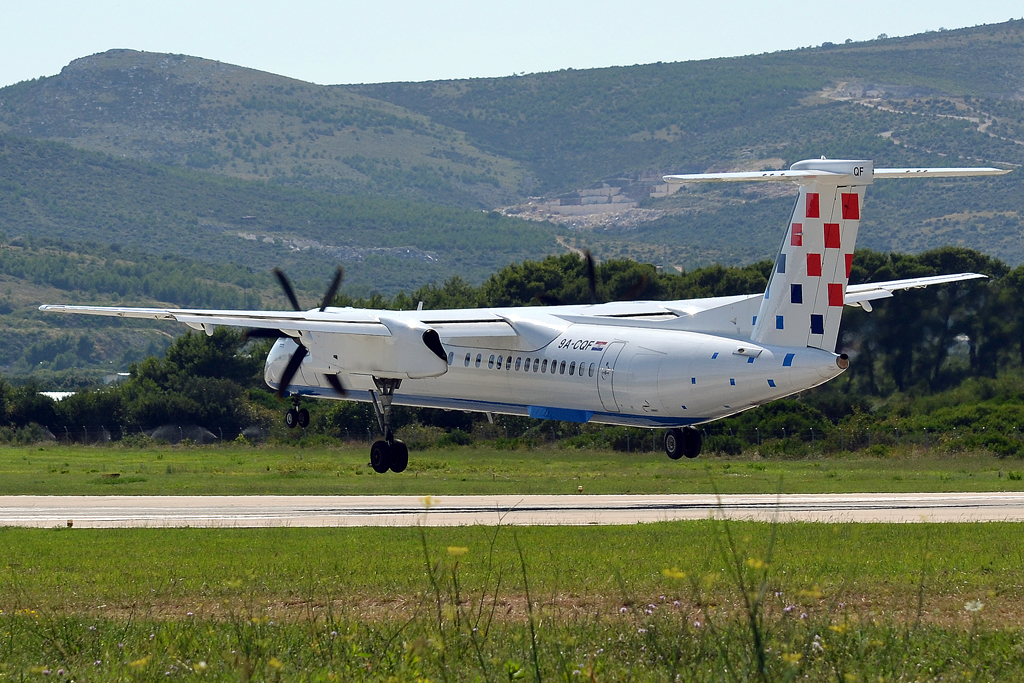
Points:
692	442
303	418
399	456
674	443
291	418
380	456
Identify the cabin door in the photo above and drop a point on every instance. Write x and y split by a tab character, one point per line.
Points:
606	376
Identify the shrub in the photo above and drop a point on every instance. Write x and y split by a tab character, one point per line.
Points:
456	437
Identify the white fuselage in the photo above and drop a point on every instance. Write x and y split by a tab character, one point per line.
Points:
606	373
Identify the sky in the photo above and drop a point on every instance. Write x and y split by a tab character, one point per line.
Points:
344	41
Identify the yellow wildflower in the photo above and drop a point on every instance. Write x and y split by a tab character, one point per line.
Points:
674	573
792	658
457	551
275	662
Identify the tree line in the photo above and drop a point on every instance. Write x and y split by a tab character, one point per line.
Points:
930	359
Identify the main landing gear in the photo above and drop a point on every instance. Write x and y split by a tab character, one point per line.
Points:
679	442
296	417
390	453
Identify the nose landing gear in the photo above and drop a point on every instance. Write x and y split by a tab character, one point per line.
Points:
679	442
390	453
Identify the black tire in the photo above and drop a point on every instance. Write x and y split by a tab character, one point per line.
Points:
380	456
674	443
303	418
399	456
692	442
291	418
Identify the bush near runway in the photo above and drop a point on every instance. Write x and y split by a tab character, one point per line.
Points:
703	600
477	469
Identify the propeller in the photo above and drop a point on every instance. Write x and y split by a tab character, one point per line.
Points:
300	353
590	270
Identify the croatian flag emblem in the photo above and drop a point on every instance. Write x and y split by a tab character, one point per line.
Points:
599	346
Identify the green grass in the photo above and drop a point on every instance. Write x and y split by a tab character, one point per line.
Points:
192	569
364	604
478	469
843	602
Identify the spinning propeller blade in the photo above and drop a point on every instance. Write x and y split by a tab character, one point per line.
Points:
289	371
591	276
336	384
264	333
332	289
287	287
300	353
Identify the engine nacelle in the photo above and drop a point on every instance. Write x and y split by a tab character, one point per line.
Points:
412	351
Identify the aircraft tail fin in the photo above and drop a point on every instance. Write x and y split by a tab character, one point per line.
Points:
803	303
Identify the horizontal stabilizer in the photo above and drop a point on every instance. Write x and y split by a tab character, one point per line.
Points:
747	177
856	294
810	175
937	172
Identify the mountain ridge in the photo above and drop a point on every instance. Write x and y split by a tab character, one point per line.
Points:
939	98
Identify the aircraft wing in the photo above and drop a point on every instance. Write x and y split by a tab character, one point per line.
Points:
352	321
458	324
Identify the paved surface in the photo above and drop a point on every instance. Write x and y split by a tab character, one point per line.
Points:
267	511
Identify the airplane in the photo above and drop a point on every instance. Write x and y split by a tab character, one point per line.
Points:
668	364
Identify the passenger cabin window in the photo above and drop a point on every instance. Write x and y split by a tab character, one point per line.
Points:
526	365
508	363
519	361
544	366
536	364
572	368
490	362
451	357
554	365
591	373
467	360
500	358
561	368
478	357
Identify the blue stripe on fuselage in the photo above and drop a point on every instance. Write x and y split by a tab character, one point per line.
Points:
542	412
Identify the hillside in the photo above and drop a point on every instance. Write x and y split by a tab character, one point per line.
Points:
186	111
67	351
574	127
939	98
51	190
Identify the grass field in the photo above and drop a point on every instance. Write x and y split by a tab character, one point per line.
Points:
911	602
669	601
110	470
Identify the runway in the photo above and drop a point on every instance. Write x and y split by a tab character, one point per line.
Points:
349	511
